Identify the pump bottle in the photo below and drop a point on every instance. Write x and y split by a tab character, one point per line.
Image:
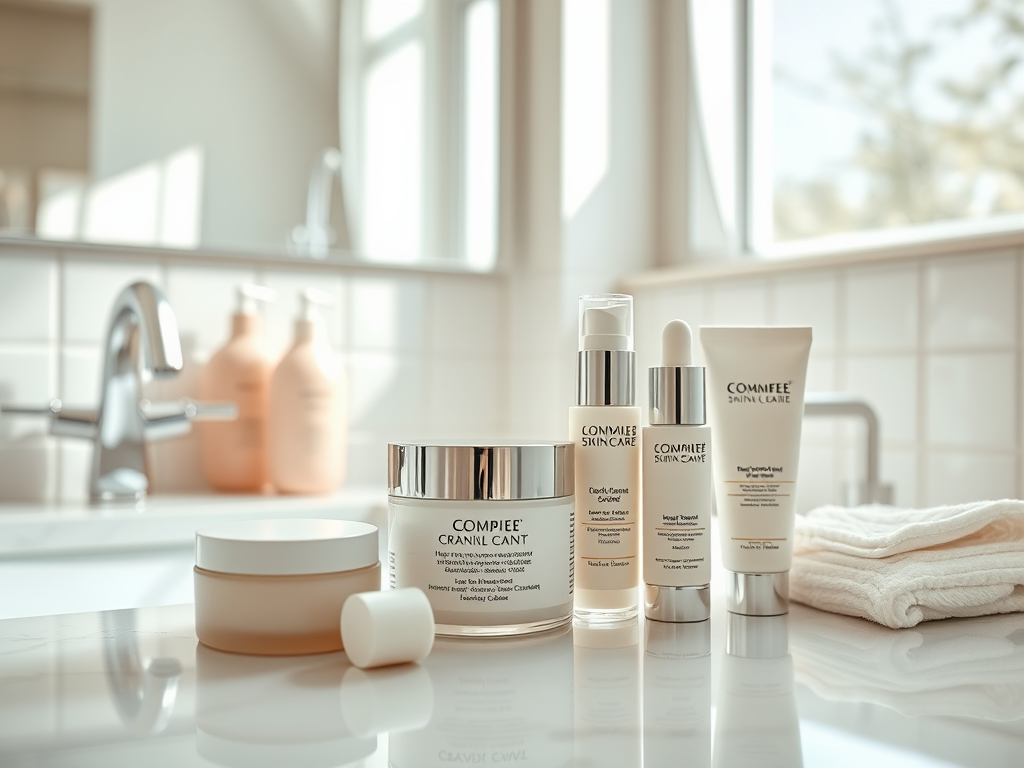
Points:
234	453
605	426
308	413
677	485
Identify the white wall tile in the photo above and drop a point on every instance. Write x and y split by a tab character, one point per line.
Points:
972	400
809	300
28	299
539	325
466	398
899	468
882	307
466	316
90	288
972	301
960	477
387	313
279	317
80	370
540	393
385	392
889	384
367	460
28	468
816	484
203	299
75	464
738	302
26	378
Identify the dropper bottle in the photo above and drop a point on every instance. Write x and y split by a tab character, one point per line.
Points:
234	453
605	427
308	407
677	486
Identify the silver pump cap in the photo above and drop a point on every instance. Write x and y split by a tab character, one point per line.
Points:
758	594
677	604
676	387
606	363
757	637
480	472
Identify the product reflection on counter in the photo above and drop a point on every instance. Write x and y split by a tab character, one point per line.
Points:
606	670
757	725
498	701
677	694
254	711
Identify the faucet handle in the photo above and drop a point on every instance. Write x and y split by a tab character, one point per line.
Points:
64	422
173	419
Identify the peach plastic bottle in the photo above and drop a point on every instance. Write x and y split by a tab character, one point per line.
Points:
308	413
234	453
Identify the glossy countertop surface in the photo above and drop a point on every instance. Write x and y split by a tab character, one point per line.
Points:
134	687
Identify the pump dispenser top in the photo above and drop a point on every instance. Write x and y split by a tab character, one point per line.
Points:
310	322
248	294
605	366
677	386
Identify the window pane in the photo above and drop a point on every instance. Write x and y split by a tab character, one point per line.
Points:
890	114
393	155
481	134
385	16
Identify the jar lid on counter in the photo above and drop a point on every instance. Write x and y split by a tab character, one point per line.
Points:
286	547
460	472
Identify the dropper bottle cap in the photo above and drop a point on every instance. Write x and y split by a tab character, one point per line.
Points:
677	385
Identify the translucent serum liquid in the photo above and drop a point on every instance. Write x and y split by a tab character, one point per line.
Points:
607	510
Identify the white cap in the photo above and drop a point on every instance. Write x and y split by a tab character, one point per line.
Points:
310	299
606	322
286	547
382	628
249	293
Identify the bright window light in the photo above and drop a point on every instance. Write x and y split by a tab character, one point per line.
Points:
585	100
181	193
124	208
383	17
886	115
480	213
393	155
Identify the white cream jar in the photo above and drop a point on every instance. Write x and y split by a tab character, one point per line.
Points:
486	532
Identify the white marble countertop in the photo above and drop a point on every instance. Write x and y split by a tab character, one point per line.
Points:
135	688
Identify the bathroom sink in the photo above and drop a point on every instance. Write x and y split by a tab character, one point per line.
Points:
69	558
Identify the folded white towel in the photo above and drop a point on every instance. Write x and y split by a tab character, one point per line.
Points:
900	567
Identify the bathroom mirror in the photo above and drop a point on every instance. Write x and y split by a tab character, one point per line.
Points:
197	124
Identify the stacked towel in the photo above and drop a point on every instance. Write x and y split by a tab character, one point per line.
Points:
900	567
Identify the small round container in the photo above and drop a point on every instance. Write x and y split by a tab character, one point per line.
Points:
486	532
277	587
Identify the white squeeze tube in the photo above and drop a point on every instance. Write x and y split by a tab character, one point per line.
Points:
605	426
755	395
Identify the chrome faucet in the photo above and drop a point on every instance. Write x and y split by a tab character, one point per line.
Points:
871	490
142	325
142	334
315	238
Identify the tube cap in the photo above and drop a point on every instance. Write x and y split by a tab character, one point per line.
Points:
758	594
757	637
677	604
382	628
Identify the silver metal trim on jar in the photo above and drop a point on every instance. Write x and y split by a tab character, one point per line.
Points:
481	472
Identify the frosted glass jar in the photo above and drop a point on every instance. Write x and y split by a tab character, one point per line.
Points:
486	532
276	587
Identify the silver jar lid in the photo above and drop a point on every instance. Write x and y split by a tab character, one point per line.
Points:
480	472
